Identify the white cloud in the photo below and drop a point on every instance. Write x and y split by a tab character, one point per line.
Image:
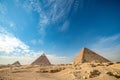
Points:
9	43
50	12
109	47
44	21
109	39
13	49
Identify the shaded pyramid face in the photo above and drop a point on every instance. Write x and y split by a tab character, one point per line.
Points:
42	61
17	63
87	55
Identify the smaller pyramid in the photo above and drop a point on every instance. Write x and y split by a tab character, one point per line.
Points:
16	63
87	55
42	61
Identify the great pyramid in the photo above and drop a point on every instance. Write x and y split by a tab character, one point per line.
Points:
16	63
87	55
42	61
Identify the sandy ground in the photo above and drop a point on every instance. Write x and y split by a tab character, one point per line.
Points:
86	71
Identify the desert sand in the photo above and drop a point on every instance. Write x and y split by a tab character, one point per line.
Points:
87	65
84	71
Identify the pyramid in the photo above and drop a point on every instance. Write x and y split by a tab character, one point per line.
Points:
87	55
16	63
42	61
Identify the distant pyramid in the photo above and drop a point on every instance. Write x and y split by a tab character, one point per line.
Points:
87	55
16	63
42	61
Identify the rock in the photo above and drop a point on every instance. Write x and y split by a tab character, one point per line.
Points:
108	64
84	77
92	65
94	73
115	74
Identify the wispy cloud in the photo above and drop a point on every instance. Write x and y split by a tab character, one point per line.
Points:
77	4
109	39
50	12
9	43
2	9
39	41
65	26
108	46
13	49
4	21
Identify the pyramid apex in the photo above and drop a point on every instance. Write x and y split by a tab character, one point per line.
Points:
43	54
85	48
17	63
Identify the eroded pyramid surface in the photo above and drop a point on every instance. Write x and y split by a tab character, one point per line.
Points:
42	61
87	55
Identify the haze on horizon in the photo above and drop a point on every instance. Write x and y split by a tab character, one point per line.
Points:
58	28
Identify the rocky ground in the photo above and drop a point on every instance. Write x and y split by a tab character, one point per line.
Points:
85	71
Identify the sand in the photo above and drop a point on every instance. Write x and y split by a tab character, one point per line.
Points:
85	71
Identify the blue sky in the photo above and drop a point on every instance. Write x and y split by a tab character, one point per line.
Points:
59	28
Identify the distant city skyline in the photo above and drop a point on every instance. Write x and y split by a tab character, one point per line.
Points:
58	28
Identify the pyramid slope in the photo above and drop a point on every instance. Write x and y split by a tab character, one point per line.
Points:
17	63
87	55
42	61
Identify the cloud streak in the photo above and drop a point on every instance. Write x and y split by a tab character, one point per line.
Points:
13	49
39	41
65	26
9	43
108	46
51	11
